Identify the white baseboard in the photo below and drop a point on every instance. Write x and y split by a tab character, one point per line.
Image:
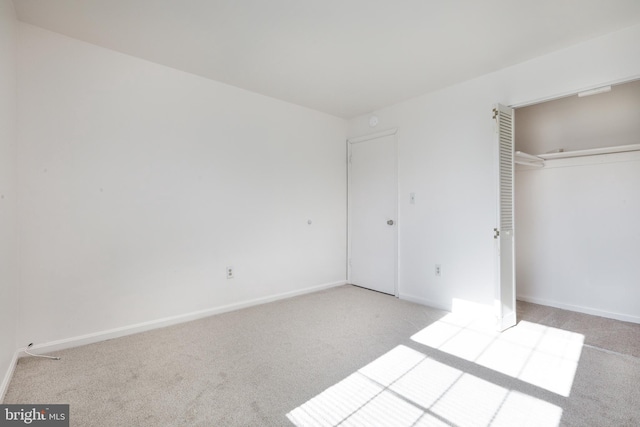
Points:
424	301
580	309
168	321
8	375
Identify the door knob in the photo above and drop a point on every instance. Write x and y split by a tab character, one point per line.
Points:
390	222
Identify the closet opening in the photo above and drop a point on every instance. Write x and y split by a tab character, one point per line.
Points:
577	202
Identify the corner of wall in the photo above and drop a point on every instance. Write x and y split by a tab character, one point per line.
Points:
8	194
4	386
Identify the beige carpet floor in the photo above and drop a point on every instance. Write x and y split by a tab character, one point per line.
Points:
349	356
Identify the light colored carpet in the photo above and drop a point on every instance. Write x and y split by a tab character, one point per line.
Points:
280	364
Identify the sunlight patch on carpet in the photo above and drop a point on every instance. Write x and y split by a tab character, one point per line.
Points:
540	355
406	388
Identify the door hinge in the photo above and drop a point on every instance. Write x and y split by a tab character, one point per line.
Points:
496	233
495	113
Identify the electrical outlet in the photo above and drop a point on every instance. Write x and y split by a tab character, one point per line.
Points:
438	270
229	272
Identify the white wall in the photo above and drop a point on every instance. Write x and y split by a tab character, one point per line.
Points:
8	207
142	183
446	156
578	235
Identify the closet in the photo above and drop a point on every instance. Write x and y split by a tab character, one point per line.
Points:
577	202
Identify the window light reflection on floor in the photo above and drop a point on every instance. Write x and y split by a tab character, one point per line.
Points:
406	388
540	355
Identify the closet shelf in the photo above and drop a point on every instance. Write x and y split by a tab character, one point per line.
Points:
528	159
590	152
522	158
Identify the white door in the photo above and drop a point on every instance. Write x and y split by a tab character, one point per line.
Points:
504	231
373	212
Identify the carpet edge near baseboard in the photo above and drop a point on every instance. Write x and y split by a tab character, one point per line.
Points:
580	309
168	321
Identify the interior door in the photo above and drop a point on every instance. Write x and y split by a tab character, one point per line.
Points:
373	212
504	231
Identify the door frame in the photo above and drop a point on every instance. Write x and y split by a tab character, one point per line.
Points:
364	139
